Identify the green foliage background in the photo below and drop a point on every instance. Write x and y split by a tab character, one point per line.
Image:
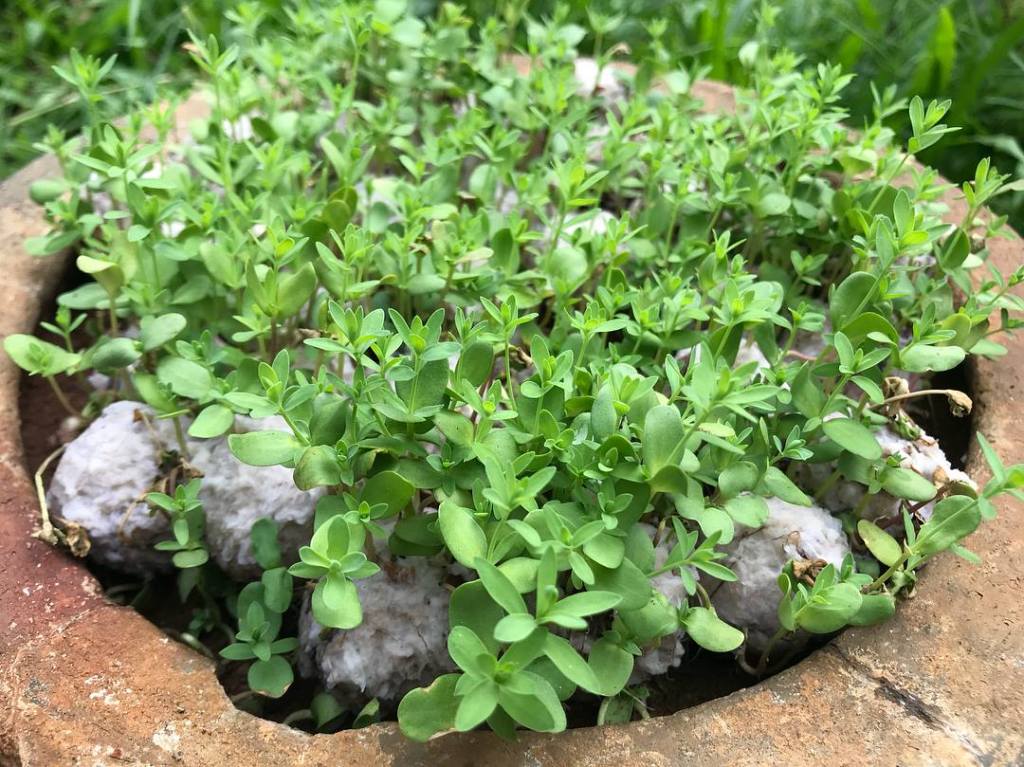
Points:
971	51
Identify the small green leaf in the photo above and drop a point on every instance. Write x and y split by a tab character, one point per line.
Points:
781	486
515	627
830	609
570	663
710	631
295	290
663	437
874	608
539	709
626	580
114	354
389	488
212	421
852	296
921	358
882	546
265	548
191	558
264	448
154	332
184	377
39	357
747	510
325	709
343	611
499	587
953	519
612	664
853	436
461	533
317	467
737	478
904	483
271	677
427	711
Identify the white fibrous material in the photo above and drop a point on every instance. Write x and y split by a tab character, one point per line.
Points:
590	227
843	495
596	137
401	643
757	557
238	130
506	199
749	351
235	495
104	475
381	191
922	455
101	483
586	72
669	651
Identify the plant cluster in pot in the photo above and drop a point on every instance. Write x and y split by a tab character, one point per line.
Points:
483	392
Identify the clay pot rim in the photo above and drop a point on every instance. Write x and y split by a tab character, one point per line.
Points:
174	708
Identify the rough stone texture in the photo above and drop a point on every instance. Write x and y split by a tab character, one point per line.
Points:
85	682
101	484
758	556
401	643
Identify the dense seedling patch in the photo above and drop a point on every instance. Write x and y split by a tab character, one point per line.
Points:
539	324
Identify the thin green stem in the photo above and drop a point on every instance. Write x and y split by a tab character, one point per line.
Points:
881	579
888	182
61	397
762	664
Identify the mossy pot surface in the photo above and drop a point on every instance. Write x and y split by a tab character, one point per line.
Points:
86	682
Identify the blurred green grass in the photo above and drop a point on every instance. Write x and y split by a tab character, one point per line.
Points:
37	34
971	51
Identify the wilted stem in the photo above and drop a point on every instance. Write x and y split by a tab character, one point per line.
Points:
47	532
949	393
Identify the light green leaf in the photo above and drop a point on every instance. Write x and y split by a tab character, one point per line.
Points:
853	436
883	546
271	677
264	448
463	536
185	377
427	711
212	421
710	631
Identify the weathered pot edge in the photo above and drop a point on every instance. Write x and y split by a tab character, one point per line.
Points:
83	681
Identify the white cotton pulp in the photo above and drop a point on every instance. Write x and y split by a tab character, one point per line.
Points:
757	557
235	495
668	653
922	455
401	643
101	482
105	473
586	71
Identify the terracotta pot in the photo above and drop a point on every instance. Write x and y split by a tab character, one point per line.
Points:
85	682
